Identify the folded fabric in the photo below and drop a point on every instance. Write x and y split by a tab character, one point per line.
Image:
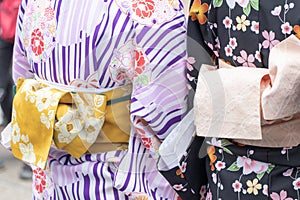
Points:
236	102
43	115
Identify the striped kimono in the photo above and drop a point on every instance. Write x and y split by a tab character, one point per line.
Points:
96	45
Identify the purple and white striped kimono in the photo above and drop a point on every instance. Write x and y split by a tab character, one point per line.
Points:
95	45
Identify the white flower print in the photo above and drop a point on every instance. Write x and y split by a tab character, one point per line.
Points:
91	130
237	186
258	56
15	133
220	165
227	22
286	28
265	190
276	11
47	119
255	27
25	138
214	177
232	43
296	184
291	5
228	51
45	99
28	152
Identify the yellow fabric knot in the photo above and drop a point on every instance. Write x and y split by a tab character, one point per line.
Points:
44	114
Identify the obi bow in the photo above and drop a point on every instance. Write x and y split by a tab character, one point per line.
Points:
262	105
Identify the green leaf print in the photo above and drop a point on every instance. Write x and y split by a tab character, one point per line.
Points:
217	3
254	4
259	176
225	142
227	150
270	168
233	167
247	9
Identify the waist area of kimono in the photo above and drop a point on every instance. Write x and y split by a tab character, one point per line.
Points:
78	121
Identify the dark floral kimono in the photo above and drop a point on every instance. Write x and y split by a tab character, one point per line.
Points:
240	33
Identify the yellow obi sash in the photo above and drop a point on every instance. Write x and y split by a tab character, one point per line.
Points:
72	121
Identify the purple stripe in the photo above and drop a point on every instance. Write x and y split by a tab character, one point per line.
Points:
164	118
130	168
168	52
67	192
169	124
73	189
166	43
75	75
96	33
87	61
102	176
97	185
143	32
54	66
86	186
69	50
62	192
116	195
78	190
58	9
63	49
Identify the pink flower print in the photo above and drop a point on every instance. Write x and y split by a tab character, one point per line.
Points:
265	190
227	22
220	165
190	61
255	27
49	13
228	50
243	3
232	43
179	187
282	196
212	48
183	167
258	56
276	11
214	177
286	28
203	190
269	41
296	184
237	186
288	172
246	60
250	165
209	195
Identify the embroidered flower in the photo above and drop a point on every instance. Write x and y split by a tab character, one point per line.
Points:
282	196
286	28
276	11
250	165
198	11
143	8
147	142
232	43
242	23
296	184
246	60
297	31
39	180
253	186
220	165
237	186
228	50
265	190
37	42
227	22
255	27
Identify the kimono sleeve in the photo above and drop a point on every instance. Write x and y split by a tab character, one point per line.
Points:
21	66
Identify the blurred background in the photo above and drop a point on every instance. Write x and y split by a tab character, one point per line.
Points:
12	186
